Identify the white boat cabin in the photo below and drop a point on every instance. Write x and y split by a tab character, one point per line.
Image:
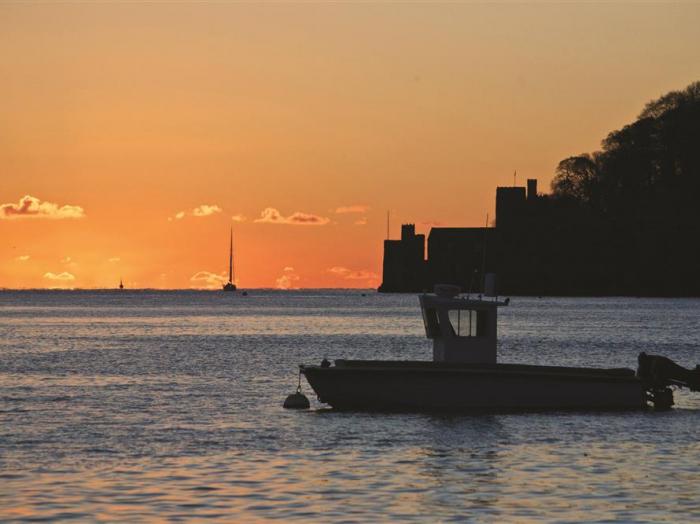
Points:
463	330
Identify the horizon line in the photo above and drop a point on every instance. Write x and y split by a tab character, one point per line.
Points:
116	289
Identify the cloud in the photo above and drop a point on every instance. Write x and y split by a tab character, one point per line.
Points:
113	260
361	221
32	207
64	277
68	261
204	210
357	208
238	218
271	216
22	258
431	224
208	280
288	279
349	274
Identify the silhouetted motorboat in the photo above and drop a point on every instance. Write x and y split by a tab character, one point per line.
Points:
464	373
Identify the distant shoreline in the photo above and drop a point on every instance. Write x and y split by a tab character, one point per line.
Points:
216	290
305	290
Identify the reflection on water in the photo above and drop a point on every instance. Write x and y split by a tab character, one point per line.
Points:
137	406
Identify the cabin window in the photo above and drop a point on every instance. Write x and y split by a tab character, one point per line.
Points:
432	330
468	323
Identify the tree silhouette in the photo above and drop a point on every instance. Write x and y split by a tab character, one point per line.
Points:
576	178
640	194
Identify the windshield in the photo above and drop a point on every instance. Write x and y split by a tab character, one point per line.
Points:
468	323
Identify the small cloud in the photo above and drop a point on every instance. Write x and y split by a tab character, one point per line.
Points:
63	277
68	262
288	279
32	207
205	210
271	216
238	218
22	258
431	224
361	221
349	274
357	208
114	260
208	280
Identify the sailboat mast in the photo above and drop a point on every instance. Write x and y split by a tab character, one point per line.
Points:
230	259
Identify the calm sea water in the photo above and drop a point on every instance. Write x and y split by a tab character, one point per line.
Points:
167	405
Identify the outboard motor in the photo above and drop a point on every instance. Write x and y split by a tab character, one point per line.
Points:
659	373
663	371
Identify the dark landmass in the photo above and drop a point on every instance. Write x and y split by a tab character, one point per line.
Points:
624	220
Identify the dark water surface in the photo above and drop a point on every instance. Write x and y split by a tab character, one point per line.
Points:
167	405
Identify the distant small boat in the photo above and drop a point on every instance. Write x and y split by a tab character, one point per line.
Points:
464	373
230	286
121	284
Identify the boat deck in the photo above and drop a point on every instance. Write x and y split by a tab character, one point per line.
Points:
428	366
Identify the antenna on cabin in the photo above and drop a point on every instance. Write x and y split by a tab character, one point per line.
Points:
471	283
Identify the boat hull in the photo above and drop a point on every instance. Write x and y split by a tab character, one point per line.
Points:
428	386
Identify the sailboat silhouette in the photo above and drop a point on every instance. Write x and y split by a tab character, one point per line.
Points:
230	286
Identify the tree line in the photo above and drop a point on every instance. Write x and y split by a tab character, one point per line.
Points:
623	220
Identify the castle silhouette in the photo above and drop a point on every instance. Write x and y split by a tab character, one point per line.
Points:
462	255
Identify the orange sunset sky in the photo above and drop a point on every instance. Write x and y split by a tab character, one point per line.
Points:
133	136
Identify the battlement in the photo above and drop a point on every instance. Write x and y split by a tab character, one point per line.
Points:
459	256
408	231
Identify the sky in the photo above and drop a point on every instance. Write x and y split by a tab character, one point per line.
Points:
133	136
